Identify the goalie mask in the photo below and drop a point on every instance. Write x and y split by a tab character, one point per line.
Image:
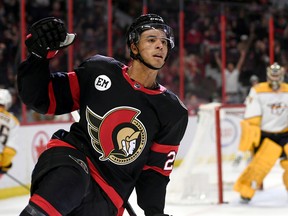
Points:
146	22
5	98
275	76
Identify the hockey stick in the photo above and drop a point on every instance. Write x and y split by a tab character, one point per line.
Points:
130	210
128	206
16	180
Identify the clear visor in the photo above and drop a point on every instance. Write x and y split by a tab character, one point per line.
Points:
165	28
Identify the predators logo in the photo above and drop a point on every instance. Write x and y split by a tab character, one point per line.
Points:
118	135
277	108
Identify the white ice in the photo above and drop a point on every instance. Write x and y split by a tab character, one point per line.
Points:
273	200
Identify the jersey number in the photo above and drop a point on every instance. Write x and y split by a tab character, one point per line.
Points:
4	132
169	163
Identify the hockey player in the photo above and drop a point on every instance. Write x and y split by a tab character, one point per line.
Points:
9	126
129	130
264	131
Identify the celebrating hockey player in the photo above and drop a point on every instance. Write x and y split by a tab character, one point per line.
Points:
9	126
264	131
129	130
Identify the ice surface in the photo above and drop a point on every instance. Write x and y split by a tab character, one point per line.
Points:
273	200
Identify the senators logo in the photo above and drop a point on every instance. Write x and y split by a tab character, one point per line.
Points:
118	135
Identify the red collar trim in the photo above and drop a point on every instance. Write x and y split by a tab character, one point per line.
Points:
137	86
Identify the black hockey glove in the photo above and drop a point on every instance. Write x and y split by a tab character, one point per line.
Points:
47	36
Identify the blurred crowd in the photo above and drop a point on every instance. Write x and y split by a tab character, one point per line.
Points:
247	42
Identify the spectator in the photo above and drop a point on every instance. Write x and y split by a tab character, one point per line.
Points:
232	72
254	80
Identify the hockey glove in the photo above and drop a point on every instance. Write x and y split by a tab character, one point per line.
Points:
5	169
6	159
47	36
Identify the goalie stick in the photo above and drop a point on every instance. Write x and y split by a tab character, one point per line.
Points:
128	206
16	180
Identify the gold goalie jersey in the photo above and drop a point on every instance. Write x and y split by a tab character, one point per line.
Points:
9	125
271	106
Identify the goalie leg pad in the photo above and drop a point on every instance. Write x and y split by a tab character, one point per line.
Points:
251	178
284	165
250	136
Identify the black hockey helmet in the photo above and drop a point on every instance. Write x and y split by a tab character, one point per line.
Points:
146	22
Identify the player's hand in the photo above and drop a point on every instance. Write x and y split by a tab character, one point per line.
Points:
4	169
47	36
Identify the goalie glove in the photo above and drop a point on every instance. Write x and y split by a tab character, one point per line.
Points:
47	36
6	159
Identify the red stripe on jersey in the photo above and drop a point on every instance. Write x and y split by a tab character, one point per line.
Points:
110	191
45	205
139	87
112	194
164	148
157	169
58	143
52	106
51	54
74	88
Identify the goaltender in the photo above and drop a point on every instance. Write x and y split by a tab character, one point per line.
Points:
264	131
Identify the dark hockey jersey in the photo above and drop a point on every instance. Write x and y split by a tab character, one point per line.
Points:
130	133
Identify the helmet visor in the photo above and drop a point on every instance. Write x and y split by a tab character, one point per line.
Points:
157	26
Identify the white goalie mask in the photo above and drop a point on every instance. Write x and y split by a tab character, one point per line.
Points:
5	98
275	76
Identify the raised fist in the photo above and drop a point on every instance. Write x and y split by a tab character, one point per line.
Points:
47	36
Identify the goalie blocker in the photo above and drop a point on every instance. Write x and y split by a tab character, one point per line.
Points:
250	136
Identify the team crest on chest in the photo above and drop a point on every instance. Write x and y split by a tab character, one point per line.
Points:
119	136
277	108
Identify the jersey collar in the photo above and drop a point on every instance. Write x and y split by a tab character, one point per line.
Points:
139	87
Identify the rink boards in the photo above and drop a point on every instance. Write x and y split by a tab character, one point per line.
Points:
32	141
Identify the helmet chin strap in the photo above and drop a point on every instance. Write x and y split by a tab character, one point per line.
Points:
138	56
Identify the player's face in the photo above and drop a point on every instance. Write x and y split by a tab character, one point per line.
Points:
153	47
